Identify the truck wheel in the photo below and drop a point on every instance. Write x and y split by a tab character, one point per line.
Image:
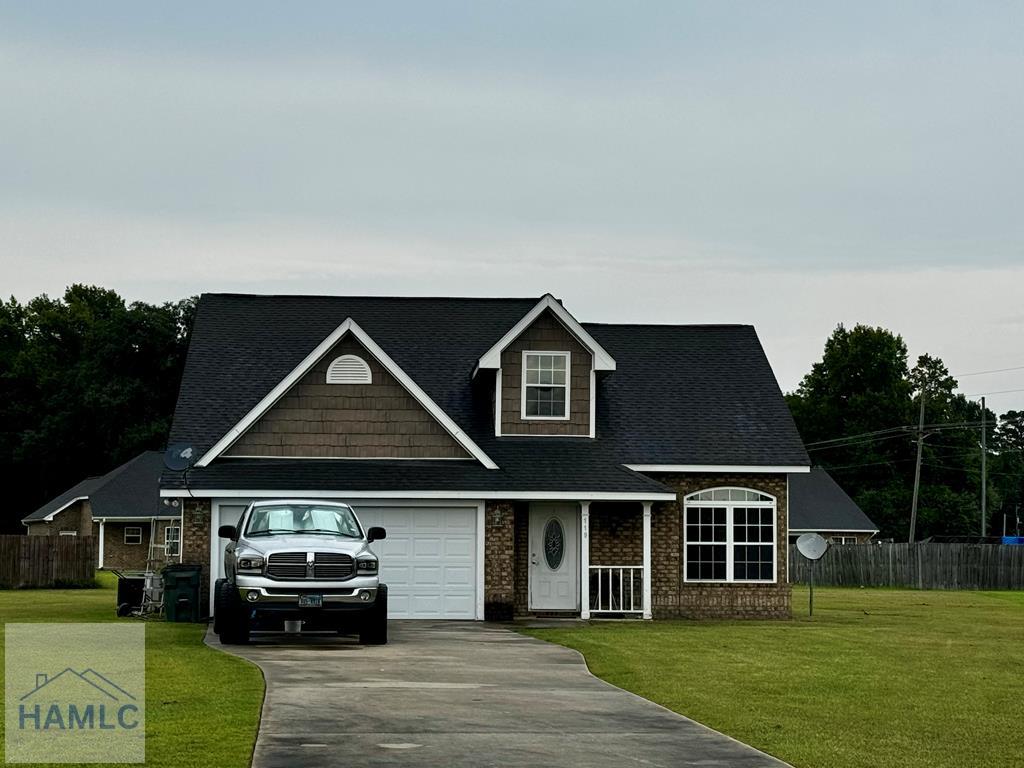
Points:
374	629
217	603
233	626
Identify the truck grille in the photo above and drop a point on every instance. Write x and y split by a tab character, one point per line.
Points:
326	565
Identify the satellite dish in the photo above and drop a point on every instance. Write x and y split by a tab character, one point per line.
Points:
812	546
179	457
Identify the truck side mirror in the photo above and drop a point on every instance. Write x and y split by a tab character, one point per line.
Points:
376	532
226	532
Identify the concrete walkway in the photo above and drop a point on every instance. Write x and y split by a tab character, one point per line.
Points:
452	694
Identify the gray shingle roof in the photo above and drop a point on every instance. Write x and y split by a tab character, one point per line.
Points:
130	490
817	503
680	395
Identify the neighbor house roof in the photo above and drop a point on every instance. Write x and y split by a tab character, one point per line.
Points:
679	394
817	503
130	490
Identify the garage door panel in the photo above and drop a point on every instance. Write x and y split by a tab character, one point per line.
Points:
428	560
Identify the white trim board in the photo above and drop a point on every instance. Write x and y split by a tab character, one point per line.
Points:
833	530
492	357
439	495
48	518
349	326
716	468
112	519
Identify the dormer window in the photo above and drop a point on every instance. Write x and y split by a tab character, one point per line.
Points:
545	385
349	369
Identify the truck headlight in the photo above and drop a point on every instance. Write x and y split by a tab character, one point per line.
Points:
250	563
366	565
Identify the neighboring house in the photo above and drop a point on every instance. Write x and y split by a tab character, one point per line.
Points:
521	462
818	505
123	508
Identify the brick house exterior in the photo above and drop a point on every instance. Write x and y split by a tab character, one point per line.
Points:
522	462
105	506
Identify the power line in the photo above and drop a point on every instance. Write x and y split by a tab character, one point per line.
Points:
996	392
878	439
981	373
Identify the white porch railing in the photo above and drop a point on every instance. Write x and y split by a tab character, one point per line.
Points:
616	589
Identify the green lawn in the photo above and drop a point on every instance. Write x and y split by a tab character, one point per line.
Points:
202	706
878	677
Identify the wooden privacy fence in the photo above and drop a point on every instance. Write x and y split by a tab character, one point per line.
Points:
46	561
918	566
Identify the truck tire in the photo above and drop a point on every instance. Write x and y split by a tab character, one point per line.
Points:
233	626
217	605
374	629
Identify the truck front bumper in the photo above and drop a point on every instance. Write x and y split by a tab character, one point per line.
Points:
263	593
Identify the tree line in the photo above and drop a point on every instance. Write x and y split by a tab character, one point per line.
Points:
87	381
858	409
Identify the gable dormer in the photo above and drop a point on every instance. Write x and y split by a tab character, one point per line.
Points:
545	375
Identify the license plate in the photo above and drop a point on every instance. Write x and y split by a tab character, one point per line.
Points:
311	601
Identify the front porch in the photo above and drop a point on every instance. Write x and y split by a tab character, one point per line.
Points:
586	559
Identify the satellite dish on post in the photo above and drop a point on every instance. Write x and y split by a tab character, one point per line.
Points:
812	546
180	457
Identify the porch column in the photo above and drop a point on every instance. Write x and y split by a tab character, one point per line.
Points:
647	559
584	559
102	536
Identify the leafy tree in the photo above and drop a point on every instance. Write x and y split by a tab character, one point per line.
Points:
864	387
86	383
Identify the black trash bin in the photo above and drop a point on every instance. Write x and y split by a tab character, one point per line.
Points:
129	594
181	592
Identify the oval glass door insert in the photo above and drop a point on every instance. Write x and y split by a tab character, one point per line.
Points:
554	543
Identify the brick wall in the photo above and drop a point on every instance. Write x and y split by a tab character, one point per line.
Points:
546	333
77	517
522	559
674	597
133	557
616	533
195	541
376	420
499	550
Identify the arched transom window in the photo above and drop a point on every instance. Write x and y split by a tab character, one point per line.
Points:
349	369
729	536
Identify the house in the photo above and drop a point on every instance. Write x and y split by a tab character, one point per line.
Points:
818	505
521	461
124	509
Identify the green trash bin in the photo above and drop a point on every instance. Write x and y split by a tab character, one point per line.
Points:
181	592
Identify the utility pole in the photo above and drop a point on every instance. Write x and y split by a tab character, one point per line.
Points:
917	470
984	473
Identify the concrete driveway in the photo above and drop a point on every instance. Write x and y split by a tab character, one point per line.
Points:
454	694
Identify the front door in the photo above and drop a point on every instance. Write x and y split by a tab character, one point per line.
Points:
554	548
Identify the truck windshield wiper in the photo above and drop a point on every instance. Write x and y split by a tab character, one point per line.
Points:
328	531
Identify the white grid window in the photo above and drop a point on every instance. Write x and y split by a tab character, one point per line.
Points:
132	535
172	540
844	539
729	536
545	385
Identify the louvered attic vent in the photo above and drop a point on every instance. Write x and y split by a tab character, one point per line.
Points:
349	369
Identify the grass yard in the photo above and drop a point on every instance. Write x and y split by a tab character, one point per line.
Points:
890	678
202	706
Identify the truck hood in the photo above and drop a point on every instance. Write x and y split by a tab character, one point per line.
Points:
293	542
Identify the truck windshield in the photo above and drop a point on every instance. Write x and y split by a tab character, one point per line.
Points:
275	519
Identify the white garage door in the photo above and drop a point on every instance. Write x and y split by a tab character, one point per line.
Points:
428	560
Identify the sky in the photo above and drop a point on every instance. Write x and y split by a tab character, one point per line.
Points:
793	166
